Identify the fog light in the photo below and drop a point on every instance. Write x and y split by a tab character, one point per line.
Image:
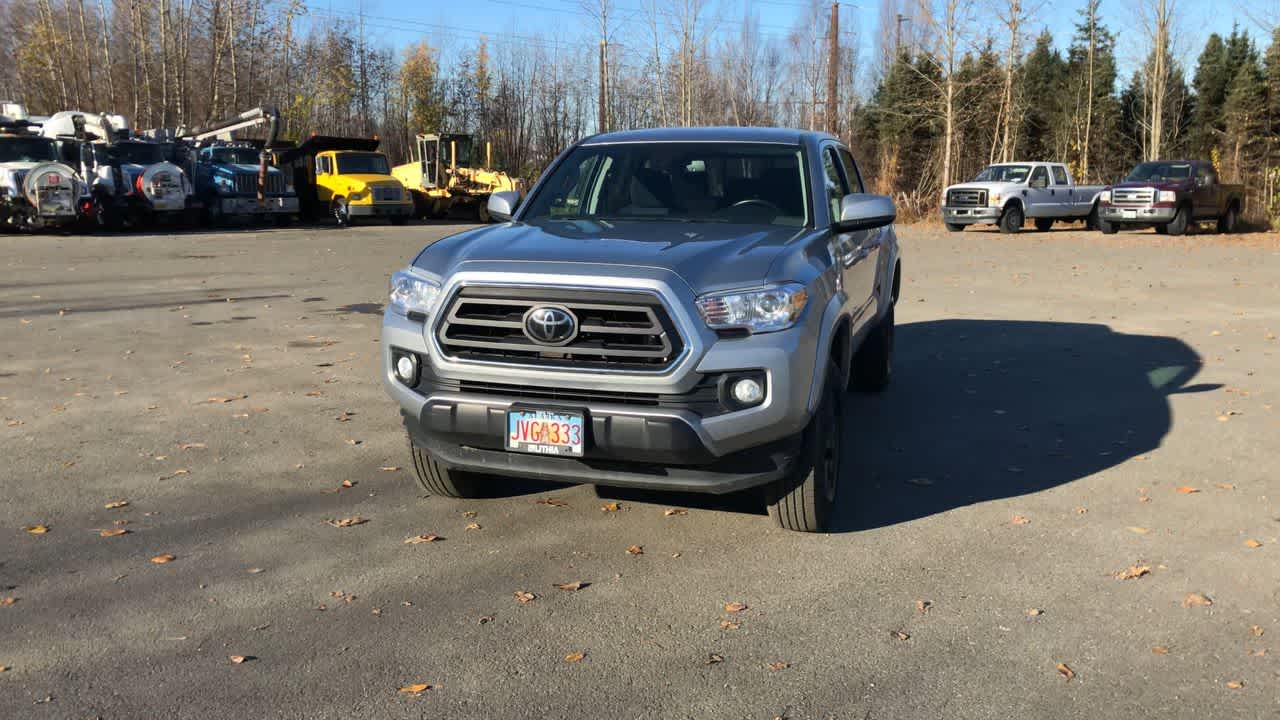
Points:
747	392
407	369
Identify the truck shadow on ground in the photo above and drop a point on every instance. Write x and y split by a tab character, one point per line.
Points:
982	410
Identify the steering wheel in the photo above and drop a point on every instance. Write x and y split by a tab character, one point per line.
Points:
757	201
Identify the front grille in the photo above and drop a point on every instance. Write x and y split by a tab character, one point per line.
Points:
386	194
247	184
966	198
703	399
616	330
1137	196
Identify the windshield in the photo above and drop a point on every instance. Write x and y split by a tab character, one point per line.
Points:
32	149
1004	173
138	153
363	164
237	156
694	182
1160	171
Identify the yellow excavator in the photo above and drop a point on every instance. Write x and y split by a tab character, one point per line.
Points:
441	179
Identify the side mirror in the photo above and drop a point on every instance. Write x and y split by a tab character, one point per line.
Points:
861	211
502	204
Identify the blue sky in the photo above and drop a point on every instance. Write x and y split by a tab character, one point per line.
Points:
456	24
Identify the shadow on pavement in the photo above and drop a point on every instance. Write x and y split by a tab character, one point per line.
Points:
981	410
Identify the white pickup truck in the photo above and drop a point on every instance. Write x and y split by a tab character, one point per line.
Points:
1005	195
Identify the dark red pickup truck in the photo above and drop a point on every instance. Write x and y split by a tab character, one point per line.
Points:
1171	195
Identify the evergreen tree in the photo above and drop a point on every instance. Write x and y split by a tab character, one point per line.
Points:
1212	77
1092	114
1245	114
1044	74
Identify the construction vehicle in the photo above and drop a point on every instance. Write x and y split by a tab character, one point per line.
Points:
236	177
37	190
345	178
441	179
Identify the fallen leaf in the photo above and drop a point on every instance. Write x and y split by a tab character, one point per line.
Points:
1235	684
571	586
1065	671
1196	600
485	620
610	507
389	468
114	504
1144	498
347	521
1082	510
524	597
254	570
1034	612
192	446
415	689
713	658
635	550
1258	653
729	625
240	659
1257	630
376	611
423	538
1160	649
1186	490
1251	543
227	399
37	529
734	607
1224	486
1020	520
1139	530
314	393
551	502
779	665
675	511
1134	572
351	441
473	526
164	558
574	657
469	514
923	606
4	668
7	601
899	635
112	532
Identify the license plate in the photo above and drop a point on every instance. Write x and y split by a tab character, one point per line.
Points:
1130	214
545	432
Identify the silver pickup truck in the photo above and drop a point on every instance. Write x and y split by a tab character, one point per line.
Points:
679	309
1005	195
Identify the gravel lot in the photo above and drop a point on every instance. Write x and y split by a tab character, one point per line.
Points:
1057	397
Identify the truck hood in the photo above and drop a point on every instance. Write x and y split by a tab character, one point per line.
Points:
707	256
992	188
362	179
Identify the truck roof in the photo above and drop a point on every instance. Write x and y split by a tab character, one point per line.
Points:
779	136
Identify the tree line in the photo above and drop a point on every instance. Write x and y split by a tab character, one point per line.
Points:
947	93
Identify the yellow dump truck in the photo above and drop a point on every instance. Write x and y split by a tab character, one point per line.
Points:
440	177
347	179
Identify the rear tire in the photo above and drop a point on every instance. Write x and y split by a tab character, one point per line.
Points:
804	500
955	227
1044	224
437	479
1011	220
482	211
1227	223
873	365
1178	225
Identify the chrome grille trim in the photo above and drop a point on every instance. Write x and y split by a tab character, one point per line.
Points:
247	184
961	197
1133	196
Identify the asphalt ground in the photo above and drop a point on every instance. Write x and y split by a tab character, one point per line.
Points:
1067	407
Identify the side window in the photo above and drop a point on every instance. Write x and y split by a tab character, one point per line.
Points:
833	181
1204	173
1039	178
851	171
1059	175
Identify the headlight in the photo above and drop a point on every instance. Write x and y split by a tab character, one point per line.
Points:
1167	196
1104	196
356	196
223	181
760	311
994	199
413	294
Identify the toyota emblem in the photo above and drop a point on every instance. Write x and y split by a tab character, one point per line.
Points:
550	325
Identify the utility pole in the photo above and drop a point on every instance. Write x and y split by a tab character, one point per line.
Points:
833	72
604	87
897	35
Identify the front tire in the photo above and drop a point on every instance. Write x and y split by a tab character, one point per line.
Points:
1011	220
804	500
1044	224
341	213
955	227
1107	228
437	479
1178	225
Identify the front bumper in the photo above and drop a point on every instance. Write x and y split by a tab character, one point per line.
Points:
1149	215
249	205
381	210
970	215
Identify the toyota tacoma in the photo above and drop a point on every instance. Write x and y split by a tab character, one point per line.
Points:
672	309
